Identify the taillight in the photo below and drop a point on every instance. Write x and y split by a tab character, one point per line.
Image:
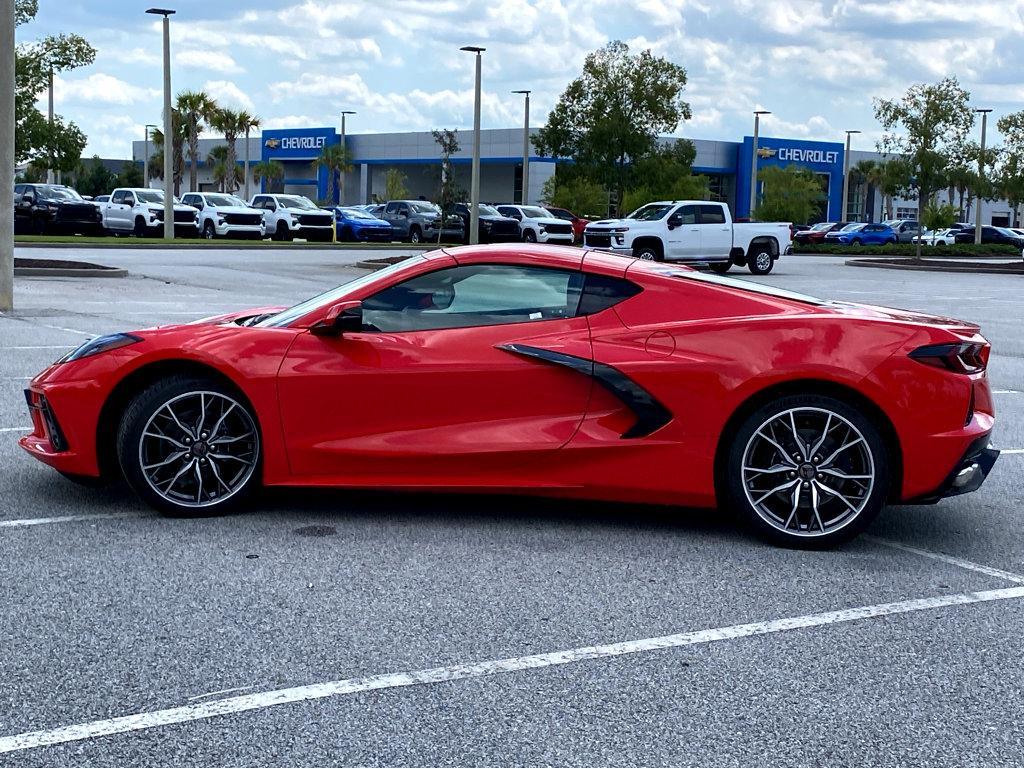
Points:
961	357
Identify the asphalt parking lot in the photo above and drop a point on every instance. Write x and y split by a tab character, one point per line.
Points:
369	629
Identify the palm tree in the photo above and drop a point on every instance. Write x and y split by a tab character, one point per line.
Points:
247	122
866	173
195	107
270	171
335	159
179	129
221	169
227	122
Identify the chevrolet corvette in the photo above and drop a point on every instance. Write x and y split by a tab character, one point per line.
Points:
544	370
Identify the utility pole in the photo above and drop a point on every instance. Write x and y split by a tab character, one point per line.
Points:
49	168
846	176
526	149
474	183
344	145
981	177
145	158
753	161
7	155
168	127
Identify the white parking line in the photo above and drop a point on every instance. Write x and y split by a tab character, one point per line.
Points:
14	429
247	702
1009	576
1006	392
1011	451
38	347
19	522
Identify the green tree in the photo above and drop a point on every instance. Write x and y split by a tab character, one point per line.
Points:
247	122
394	185
270	172
130	176
1010	174
577	193
614	112
791	194
894	181
35	64
221	170
448	190
156	163
335	159
924	128
195	107
93	178
665	174
938	216
229	123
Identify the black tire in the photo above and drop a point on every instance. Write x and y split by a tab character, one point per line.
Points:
209	232
839	523
182	391
282	232
649	252
529	236
760	259
38	226
140	227
720	267
855	242
346	235
415	236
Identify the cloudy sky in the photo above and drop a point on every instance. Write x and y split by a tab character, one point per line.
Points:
815	63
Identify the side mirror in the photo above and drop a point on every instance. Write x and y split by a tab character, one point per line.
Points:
675	220
340	318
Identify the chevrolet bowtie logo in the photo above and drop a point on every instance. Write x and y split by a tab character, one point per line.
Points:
766	152
272	143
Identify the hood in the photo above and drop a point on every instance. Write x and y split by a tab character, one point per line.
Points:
904	316
306	211
234	210
550	220
360	222
493	218
237	316
612	223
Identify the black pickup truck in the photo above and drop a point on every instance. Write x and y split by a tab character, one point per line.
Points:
53	208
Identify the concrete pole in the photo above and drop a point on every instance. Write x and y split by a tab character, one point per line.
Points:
49	171
526	150
168	136
981	177
246	164
145	159
474	185
7	155
341	180
846	177
753	162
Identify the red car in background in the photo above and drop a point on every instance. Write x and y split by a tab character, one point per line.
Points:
816	234
578	222
545	370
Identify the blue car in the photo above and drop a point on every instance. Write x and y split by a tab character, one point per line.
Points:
860	234
356	224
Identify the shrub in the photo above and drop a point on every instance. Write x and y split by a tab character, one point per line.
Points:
910	249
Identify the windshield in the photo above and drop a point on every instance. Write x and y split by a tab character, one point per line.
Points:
58	193
338	293
423	207
821	226
225	200
651	212
355	213
149	196
851	228
488	210
535	212
294	201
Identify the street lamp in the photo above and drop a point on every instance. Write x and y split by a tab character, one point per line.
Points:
981	176
526	148
341	186
846	174
168	126
7	155
753	160
145	157
474	182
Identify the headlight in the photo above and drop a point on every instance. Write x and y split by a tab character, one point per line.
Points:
621	229
153	210
100	344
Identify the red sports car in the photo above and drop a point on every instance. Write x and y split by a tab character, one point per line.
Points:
546	370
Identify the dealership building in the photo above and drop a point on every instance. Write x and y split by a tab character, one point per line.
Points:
414	155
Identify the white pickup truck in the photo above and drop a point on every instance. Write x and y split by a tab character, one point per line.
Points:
225	216
140	210
692	231
293	216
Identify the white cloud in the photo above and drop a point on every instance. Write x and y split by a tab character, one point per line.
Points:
194	58
227	94
100	88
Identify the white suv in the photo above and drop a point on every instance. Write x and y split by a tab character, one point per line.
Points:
293	216
223	216
538	226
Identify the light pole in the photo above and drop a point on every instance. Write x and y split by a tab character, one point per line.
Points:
981	177
344	146
846	174
753	160
7	155
145	157
526	147
474	181
49	171
168	127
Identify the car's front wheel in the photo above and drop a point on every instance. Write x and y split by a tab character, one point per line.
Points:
208	231
807	471
189	446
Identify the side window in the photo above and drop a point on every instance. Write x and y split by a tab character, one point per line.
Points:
603	291
474	295
686	215
403	210
117	197
712	215
129	199
391	208
510	211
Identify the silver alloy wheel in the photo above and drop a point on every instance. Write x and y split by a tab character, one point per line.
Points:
808	471
763	261
198	449
647	255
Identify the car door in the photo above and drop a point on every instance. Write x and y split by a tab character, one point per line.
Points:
397	218
513	213
22	207
118	212
715	231
442	385
683	237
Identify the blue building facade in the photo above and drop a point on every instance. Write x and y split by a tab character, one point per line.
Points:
822	158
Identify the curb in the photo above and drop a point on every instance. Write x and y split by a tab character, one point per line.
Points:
68	272
954	267
380	264
226	246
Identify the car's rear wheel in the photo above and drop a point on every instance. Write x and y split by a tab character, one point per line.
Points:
759	260
807	471
190	446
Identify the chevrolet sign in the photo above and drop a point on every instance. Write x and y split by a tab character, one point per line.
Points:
302	142
821	157
272	143
766	152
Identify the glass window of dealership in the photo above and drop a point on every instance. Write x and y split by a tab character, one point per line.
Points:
726	164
